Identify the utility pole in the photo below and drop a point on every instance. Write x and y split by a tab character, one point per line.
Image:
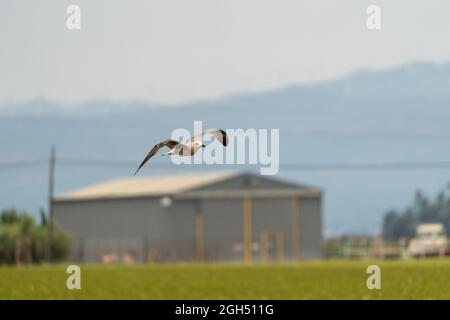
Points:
51	187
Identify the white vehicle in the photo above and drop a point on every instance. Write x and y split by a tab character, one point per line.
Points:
430	240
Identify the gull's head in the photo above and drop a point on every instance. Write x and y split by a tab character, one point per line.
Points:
199	144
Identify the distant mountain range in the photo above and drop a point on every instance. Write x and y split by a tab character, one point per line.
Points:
400	114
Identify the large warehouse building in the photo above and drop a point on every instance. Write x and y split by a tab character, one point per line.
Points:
203	217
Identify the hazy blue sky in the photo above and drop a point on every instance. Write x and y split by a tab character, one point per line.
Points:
173	51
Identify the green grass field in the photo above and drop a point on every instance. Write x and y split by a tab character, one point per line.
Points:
406	279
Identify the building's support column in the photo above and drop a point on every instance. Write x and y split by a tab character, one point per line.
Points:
264	243
295	228
247	223
199	235
280	245
145	249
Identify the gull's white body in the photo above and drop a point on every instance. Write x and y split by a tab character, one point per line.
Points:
184	150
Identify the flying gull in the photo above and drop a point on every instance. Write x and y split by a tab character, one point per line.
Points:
189	148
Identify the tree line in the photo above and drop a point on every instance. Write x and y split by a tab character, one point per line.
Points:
403	223
23	240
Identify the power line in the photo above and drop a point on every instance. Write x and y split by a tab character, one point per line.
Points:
97	162
331	166
293	166
23	164
369	166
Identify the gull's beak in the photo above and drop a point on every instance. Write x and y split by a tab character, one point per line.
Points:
203	146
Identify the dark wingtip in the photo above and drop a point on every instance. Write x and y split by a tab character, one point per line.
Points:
225	140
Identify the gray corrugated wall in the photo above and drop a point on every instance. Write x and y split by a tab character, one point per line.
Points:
276	215
136	225
310	228
224	226
101	225
223	229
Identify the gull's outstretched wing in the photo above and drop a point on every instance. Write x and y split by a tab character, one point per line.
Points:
166	143
219	134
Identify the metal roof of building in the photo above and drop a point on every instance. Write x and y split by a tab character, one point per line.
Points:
144	186
181	186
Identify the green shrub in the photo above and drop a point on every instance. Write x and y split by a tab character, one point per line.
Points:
23	240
